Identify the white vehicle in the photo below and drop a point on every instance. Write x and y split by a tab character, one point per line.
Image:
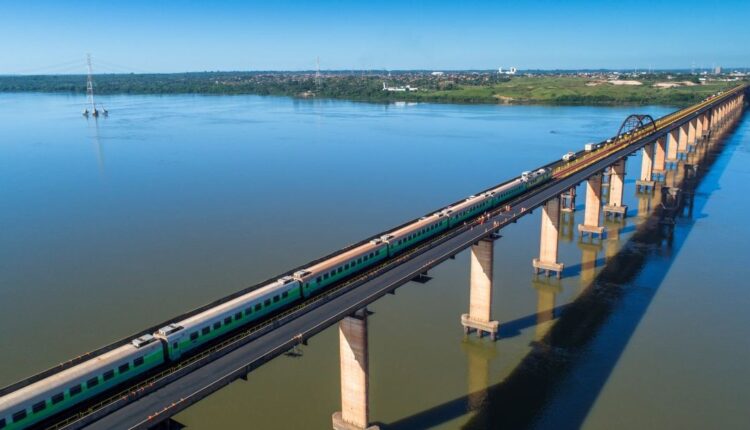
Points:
570	156
591	147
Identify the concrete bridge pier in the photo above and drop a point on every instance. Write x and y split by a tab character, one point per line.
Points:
591	219
568	200
692	134
673	138
646	182
616	188
660	154
706	126
567	226
548	246
355	378
682	142
480	296
699	128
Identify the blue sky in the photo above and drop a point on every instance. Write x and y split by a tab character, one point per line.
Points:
171	36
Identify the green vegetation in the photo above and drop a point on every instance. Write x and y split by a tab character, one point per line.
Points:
579	90
454	87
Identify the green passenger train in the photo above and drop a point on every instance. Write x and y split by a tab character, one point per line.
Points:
29	404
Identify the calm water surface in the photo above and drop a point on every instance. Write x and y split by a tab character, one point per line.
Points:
113	225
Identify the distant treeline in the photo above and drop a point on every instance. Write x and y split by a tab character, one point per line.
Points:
453	87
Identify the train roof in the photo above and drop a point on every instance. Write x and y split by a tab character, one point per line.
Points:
73	375
238	301
408	228
342	257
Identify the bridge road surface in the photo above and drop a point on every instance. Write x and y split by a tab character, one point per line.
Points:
209	378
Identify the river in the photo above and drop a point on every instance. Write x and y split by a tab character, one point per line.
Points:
108	226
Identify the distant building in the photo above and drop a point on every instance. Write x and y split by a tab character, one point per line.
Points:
717	70
512	71
437	73
399	89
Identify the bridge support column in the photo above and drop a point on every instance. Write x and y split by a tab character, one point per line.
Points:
568	200
355	376
480	296
616	188
660	155
706	126
672	142
547	260
692	135
699	128
682	143
591	222
646	182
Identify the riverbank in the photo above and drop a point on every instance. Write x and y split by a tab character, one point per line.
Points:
605	89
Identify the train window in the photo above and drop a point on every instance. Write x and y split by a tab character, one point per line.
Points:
217	325
39	406
333	273
175	345
285	294
75	389
248	311
109	374
194	335
2	423
267	302
93	382
318	279
227	320
346	266
18	416
138	361
206	330
237	316
325	276
258	307
359	260
57	398
340	270
275	299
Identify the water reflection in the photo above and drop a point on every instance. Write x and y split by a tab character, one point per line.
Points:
479	356
93	128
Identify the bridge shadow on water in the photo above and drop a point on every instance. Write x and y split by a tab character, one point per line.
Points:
532	395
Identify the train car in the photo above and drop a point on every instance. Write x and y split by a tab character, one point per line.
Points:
472	206
186	335
507	191
325	273
411	234
42	399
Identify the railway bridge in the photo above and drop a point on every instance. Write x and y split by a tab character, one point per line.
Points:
151	400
